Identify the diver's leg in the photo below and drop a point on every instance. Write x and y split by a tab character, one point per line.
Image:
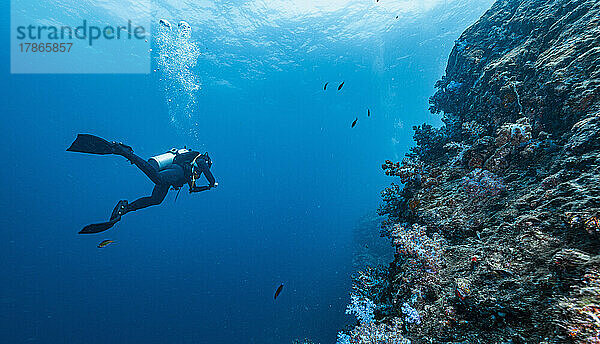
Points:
158	195
123	207
143	165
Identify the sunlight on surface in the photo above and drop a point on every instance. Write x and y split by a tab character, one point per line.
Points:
267	36
293	8
246	16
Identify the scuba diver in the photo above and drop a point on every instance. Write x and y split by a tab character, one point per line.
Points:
172	169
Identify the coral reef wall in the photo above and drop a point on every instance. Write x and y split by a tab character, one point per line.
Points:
497	225
368	247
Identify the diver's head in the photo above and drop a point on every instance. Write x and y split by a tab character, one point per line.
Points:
202	157
207	159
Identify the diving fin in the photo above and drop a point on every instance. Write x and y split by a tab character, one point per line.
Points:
119	210
86	143
98	227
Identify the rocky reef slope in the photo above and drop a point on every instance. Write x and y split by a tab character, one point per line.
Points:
497	226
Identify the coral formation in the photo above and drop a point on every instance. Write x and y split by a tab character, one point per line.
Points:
496	215
372	333
362	309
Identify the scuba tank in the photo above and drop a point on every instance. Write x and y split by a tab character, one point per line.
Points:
163	161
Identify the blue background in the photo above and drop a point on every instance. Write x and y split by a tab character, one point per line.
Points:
294	179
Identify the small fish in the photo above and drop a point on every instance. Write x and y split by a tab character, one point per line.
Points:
368	113
341	85
354	123
105	243
325	87
278	291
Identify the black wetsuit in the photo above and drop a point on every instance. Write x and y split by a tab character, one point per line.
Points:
176	175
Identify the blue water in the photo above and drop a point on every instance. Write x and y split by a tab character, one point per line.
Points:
294	178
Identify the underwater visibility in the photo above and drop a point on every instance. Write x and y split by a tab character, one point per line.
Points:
353	172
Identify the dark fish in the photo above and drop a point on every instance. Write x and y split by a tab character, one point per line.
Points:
396	17
354	123
278	291
341	85
105	243
325	87
368	113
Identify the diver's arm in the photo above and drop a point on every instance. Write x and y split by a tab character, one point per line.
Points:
206	171
207	174
200	188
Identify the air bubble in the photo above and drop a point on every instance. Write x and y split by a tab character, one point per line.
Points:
177	57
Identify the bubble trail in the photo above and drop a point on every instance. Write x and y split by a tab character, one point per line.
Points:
177	56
